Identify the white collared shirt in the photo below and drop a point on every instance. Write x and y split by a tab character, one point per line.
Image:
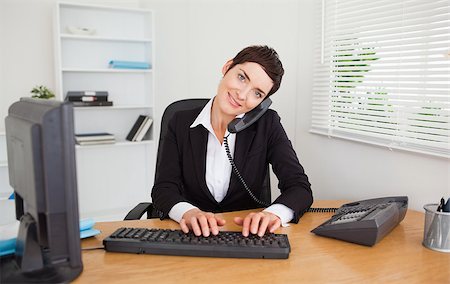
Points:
218	170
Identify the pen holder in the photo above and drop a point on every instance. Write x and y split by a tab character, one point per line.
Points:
436	235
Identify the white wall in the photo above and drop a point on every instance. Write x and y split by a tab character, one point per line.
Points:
26	52
194	38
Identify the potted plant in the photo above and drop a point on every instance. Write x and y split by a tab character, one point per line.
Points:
42	92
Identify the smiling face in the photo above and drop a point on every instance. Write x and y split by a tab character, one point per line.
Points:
241	89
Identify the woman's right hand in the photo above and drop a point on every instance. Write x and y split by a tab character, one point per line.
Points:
201	223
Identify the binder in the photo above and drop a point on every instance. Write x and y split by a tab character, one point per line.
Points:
87	96
128	64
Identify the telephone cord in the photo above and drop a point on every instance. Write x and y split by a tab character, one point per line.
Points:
238	174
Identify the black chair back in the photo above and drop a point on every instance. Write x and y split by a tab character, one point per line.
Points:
169	112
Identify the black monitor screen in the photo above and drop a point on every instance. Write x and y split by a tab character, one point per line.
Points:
42	172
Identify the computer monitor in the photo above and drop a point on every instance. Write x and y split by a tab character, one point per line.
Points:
42	172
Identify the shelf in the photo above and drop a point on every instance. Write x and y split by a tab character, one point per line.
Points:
100	7
113	107
128	143
98	38
106	70
3	164
117	144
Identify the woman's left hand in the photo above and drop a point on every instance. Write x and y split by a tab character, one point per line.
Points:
258	223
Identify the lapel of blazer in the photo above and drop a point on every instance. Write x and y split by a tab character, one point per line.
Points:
244	140
199	141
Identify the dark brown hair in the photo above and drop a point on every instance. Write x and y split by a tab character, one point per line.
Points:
265	56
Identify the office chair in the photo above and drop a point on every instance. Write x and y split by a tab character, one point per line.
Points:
186	104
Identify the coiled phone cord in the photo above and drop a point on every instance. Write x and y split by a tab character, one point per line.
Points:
238	174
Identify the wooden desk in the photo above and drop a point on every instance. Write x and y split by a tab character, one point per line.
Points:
399	257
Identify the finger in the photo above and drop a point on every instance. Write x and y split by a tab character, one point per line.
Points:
184	226
263	226
246	224
204	226
238	221
255	223
213	224
275	225
220	221
195	227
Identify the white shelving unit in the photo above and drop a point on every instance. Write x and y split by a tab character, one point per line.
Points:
112	178
5	188
6	206
3	155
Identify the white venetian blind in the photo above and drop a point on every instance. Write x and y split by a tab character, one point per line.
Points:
382	73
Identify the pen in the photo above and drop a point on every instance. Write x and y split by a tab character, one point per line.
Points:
441	205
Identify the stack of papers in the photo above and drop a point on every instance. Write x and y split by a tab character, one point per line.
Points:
7	246
86	228
94	138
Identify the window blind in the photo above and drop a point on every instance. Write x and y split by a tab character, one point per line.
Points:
382	73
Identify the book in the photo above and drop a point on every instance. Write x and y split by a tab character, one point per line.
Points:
128	64
95	103
94	136
87	96
139	122
140	128
97	142
144	129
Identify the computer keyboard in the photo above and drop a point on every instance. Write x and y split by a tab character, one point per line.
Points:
176	242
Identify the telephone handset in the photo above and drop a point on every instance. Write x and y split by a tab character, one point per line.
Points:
239	124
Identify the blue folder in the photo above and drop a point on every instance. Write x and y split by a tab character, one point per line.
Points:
8	246
129	64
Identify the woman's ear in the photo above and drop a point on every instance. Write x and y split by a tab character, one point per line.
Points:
226	67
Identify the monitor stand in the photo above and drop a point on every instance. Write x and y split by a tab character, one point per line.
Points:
27	265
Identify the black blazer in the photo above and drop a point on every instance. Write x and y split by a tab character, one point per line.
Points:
181	172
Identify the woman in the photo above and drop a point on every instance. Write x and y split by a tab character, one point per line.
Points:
195	178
